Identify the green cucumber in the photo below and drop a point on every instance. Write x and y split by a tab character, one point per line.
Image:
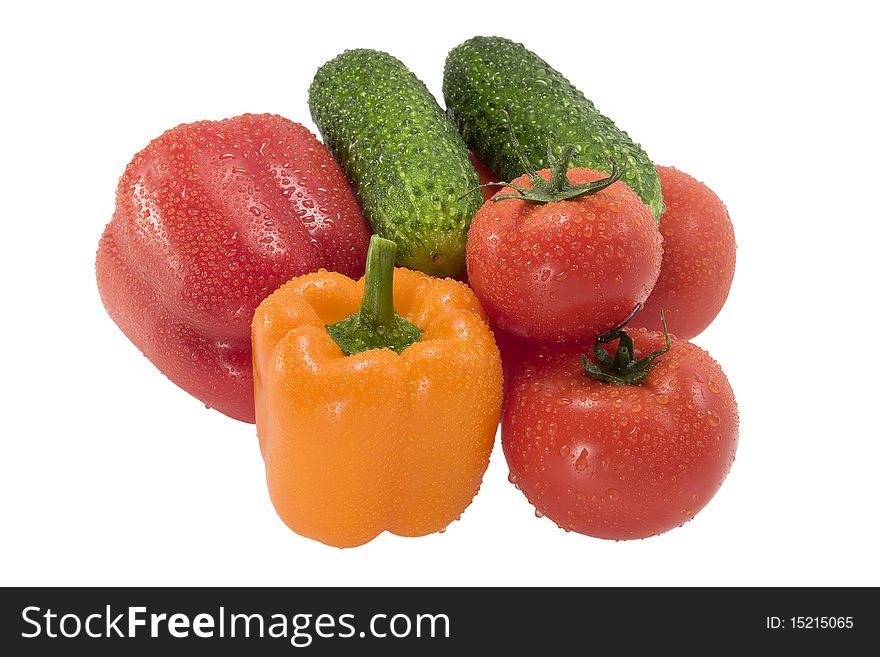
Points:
485	77
408	165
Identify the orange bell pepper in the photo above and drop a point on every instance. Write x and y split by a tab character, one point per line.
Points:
379	421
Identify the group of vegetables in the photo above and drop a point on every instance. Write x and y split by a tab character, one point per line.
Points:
231	262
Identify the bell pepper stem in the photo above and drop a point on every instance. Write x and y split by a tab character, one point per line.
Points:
376	325
377	305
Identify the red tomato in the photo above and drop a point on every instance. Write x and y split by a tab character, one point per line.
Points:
620	461
513	350
699	256
568	269
486	176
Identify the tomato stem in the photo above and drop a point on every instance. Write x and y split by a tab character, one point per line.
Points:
559	187
376	325
622	368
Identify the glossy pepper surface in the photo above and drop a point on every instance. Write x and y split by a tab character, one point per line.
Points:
392	439
210	218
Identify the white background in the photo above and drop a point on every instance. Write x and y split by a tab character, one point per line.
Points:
111	475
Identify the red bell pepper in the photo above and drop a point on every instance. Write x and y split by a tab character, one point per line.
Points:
211	218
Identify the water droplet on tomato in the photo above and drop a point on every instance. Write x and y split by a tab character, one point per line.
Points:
612	494
580	463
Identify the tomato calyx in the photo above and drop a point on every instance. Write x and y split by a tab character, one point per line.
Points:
622	368
376	325
559	187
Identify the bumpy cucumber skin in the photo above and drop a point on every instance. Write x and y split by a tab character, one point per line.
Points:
486	75
406	161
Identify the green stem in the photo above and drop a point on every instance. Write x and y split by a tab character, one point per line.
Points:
559	187
376	325
622	368
559	172
378	303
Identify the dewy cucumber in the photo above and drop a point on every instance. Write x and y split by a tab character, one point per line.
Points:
407	163
486	76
